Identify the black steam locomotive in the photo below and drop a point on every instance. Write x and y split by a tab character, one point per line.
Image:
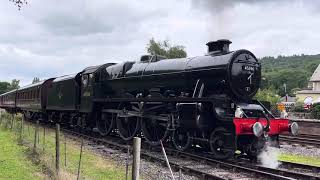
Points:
203	101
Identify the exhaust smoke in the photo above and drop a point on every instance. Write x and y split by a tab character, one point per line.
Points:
269	156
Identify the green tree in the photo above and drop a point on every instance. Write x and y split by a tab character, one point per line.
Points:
165	49
315	111
295	71
269	94
14	84
35	80
4	87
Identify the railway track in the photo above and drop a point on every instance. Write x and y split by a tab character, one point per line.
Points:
305	167
210	168
304	139
252	171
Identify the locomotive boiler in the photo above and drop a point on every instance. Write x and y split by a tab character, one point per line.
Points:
203	102
236	74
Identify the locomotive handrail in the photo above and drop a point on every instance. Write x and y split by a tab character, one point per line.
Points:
265	109
267	128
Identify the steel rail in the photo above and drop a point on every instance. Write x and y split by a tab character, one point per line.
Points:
246	166
299	140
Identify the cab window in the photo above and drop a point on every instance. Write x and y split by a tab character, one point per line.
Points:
90	79
84	80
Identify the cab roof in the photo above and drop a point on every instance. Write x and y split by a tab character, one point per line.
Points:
92	69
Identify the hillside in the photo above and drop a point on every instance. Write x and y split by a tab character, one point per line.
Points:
295	71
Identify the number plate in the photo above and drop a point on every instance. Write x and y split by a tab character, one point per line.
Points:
248	68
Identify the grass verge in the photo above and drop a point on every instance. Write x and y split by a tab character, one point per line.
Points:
313	161
22	162
14	164
93	165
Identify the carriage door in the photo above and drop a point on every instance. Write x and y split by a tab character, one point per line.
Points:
86	92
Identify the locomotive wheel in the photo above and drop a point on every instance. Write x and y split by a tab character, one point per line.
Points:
218	144
181	139
154	130
127	126
105	124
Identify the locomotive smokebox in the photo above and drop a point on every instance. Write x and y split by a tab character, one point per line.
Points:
219	46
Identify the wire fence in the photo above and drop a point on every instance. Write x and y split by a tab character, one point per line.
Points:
47	146
291	114
61	157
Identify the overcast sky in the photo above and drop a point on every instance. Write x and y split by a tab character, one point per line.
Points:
56	37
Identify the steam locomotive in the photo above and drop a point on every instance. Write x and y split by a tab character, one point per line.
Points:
204	101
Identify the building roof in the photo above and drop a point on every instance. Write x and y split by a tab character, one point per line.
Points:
316	75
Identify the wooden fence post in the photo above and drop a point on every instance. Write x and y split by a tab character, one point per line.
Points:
136	158
28	128
44	137
0	116
38	134
21	130
57	148
35	136
79	165
127	162
12	123
65	150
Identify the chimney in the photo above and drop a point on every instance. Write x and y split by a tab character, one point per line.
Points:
219	46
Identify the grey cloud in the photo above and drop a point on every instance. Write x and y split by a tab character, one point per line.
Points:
52	38
80	17
216	6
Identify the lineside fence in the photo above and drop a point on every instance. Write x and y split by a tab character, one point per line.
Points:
48	146
63	158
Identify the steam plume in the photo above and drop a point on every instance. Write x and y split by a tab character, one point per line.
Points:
269	157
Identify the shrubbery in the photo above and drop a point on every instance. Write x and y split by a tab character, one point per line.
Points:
298	108
315	111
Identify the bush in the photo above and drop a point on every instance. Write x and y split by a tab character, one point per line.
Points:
315	111
298	108
269	95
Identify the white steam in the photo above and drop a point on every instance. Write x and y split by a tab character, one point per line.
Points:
269	157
